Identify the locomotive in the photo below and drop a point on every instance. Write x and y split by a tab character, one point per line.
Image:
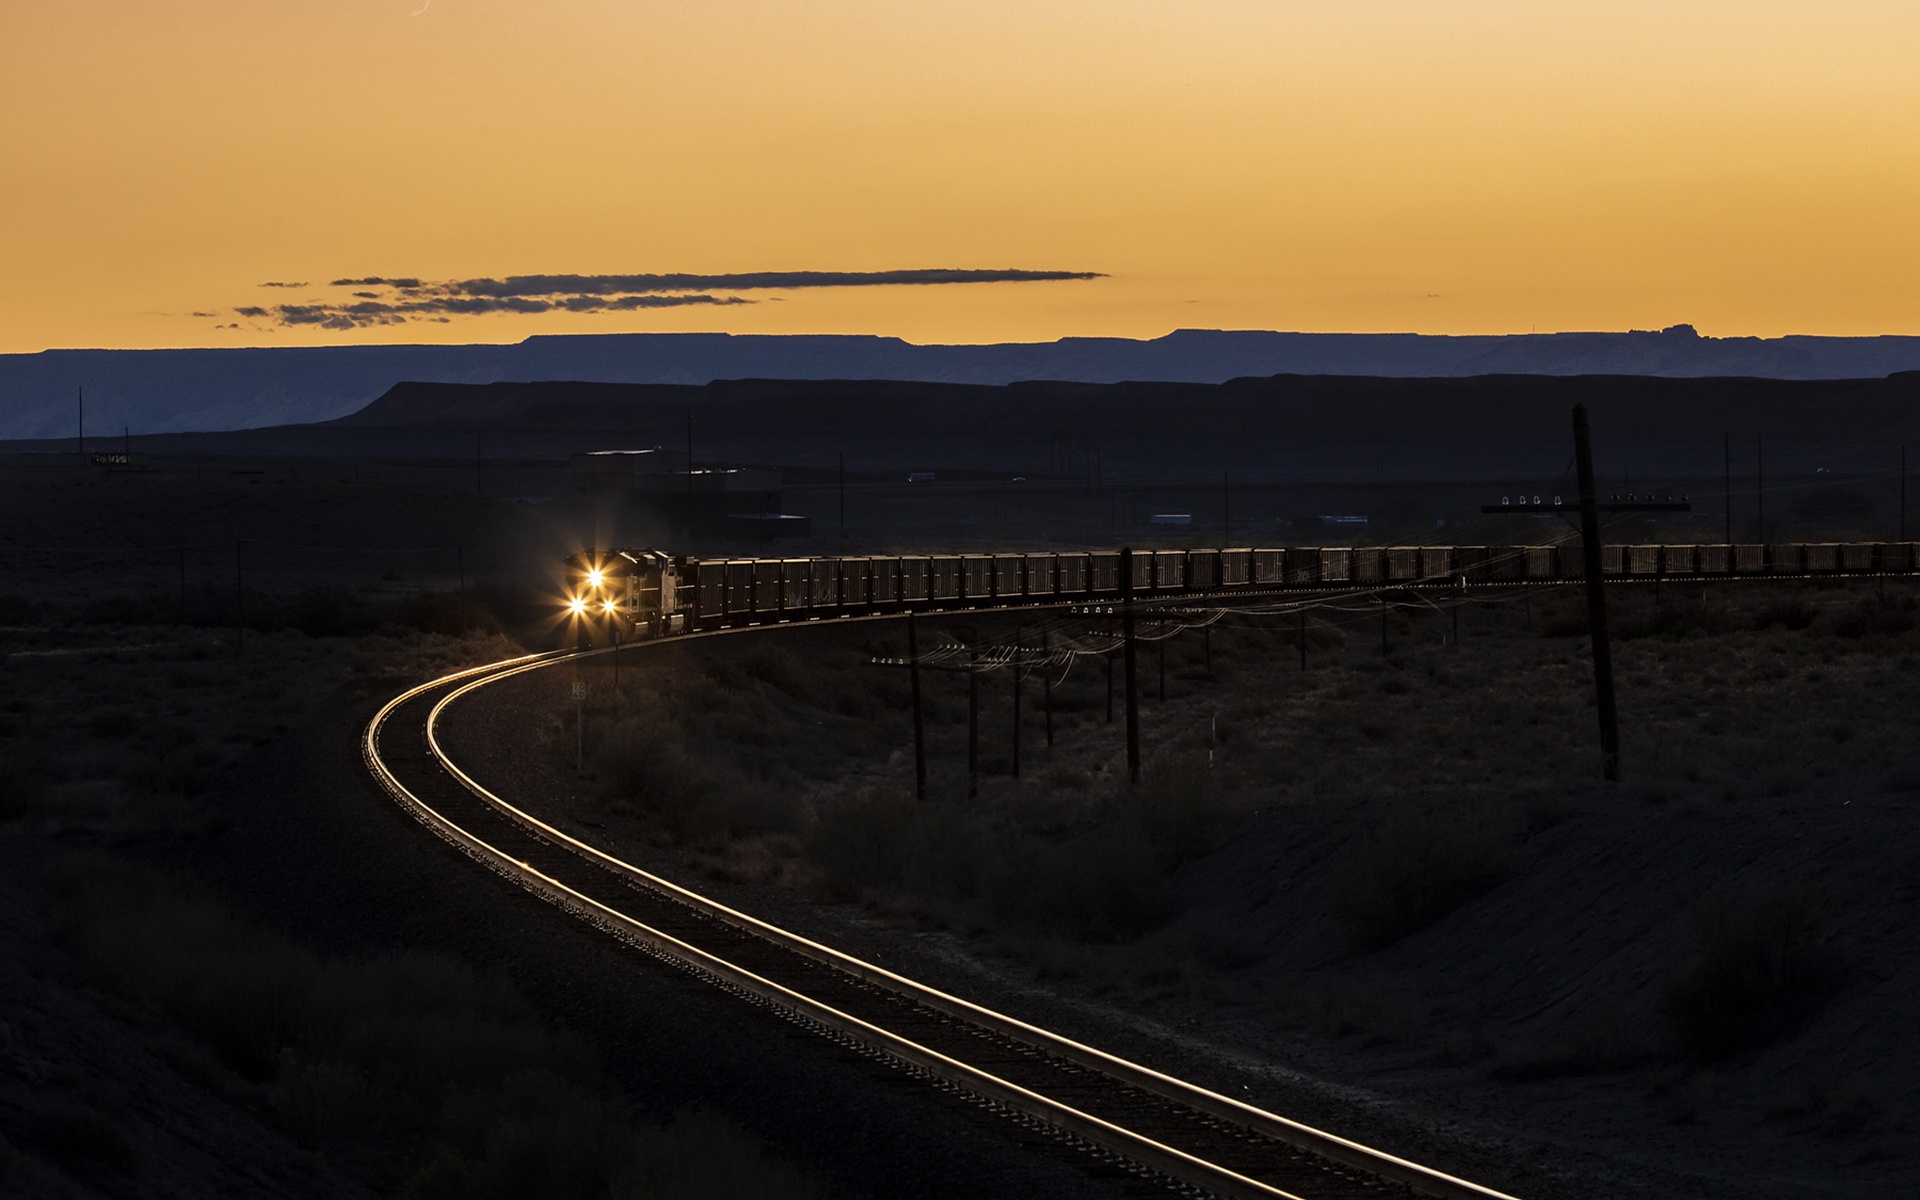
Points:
637	593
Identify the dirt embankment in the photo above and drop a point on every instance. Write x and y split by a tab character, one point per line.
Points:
1394	904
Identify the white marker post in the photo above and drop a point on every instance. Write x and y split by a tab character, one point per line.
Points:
580	727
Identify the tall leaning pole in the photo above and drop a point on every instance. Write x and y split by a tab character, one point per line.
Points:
1596	602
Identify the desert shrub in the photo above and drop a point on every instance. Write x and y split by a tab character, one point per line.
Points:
15	610
1419	863
1790	612
23	781
862	842
1761	966
409	1060
1182	808
643	763
113	723
1877	616
1103	886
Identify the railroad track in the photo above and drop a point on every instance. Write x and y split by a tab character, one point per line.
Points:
1124	1113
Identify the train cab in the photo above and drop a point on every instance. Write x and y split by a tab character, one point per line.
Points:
621	595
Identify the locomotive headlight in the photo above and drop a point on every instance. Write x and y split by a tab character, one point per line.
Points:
606	605
594	577
577	605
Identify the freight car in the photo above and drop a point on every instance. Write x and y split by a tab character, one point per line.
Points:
648	592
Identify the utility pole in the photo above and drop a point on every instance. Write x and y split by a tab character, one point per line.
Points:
919	728
1015	671
1303	639
1726	451
843	495
1133	692
1596	602
1046	680
1760	482
1459	599
239	601
1107	658
1383	624
1226	509
1903	491
80	398
1161	648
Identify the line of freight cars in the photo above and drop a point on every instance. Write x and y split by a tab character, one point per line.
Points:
670	595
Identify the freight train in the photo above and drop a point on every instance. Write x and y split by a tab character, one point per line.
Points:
651	593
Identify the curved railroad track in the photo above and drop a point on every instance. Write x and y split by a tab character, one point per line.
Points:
1122	1112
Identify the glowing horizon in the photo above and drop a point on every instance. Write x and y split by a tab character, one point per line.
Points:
1124	168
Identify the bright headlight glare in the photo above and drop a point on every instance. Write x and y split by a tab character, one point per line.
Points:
608	605
577	605
594	577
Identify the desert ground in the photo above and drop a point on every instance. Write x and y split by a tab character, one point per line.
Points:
1384	892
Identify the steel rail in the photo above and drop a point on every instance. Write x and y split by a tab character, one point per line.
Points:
1130	1144
1060	1116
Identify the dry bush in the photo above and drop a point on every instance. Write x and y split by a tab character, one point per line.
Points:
1761	966
1183	808
408	1061
1419	863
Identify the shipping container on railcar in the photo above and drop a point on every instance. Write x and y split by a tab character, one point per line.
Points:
1613	560
1275	566
1857	557
883	581
1039	574
1403	562
1073	574
795	583
1540	562
825	590
1679	560
765	573
944	584
916	580
1142	567
976	576
1236	568
1749	558
1784	558
1436	562
1643	560
1009	575
1169	570
1203	570
1336	564
1368	564
1572	557
1472	562
710	596
1714	559
1822	557
856	583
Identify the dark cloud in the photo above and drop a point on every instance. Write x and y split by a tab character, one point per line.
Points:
278	284
399	299
203	314
368	313
600	285
375	281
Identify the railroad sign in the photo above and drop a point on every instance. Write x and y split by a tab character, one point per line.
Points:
579	690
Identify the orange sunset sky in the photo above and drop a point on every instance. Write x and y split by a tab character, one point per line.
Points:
1441	166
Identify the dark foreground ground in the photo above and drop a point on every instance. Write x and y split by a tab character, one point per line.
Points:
1520	1030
